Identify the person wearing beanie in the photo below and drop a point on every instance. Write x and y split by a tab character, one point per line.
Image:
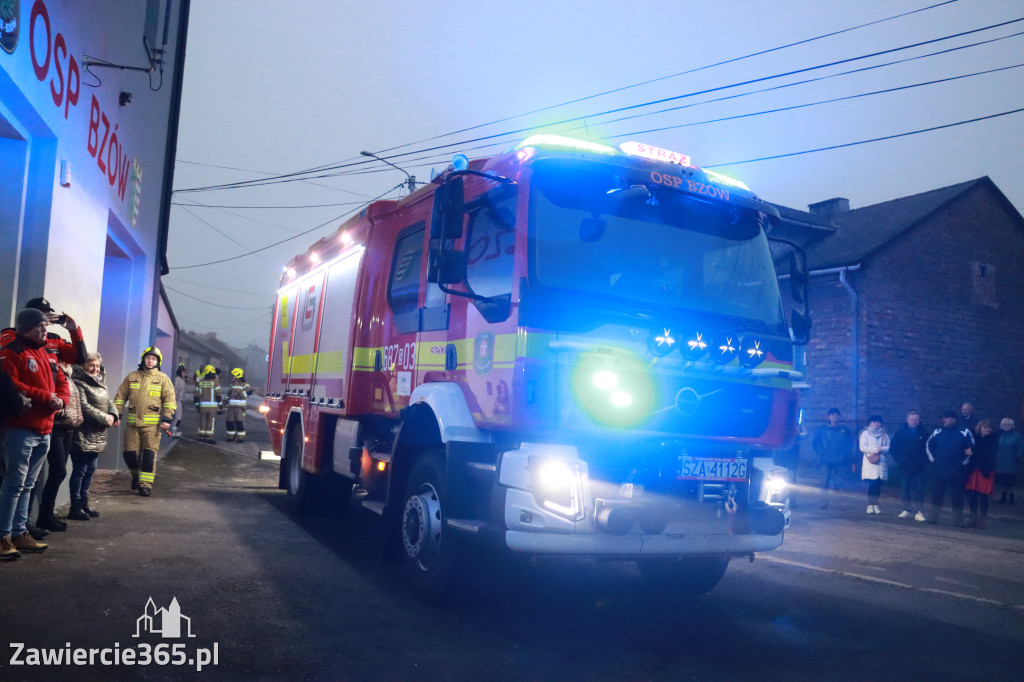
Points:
147	397
28	434
60	350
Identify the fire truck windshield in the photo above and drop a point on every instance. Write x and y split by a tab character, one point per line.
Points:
600	230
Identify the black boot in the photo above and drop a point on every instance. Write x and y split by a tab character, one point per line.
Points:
51	522
35	531
85	507
77	513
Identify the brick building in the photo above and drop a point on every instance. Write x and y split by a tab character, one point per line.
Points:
917	303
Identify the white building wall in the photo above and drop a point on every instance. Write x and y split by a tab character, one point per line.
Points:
81	244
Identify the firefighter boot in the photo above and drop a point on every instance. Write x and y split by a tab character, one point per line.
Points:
147	472
86	509
131	460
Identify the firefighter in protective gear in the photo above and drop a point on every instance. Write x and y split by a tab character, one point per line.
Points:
146	396
235	397
208	396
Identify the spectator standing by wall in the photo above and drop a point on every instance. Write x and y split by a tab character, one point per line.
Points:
908	450
981	472
28	435
91	437
949	449
1011	447
64	424
874	446
967	419
834	446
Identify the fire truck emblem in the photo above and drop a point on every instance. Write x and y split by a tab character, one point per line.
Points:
10	24
483	352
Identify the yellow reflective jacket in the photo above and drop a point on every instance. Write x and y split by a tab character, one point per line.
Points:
208	391
238	391
148	396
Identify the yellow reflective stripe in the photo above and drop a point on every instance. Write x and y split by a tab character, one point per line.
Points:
133	384
171	405
131	419
146	476
151	419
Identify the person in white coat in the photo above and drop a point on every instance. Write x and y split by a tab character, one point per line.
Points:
874	445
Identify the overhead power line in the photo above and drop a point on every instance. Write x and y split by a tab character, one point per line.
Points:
875	139
284	241
219	305
358	161
674	75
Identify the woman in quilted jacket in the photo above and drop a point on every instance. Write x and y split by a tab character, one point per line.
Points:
91	437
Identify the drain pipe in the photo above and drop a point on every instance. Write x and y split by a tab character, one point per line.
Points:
854	333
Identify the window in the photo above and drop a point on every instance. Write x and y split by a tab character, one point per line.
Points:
984	283
490	244
406	267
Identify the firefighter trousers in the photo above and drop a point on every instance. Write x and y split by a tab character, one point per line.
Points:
235	422
141	444
207	419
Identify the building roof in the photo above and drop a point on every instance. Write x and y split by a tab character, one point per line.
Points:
860	232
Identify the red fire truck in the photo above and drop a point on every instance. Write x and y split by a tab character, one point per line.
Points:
565	349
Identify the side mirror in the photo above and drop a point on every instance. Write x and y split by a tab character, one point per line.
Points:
446	266
446	215
801	325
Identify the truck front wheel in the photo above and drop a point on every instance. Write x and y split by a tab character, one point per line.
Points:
428	548
300	483
683	577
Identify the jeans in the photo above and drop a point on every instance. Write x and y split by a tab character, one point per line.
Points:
24	453
913	490
83	466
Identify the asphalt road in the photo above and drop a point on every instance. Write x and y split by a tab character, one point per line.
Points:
847	597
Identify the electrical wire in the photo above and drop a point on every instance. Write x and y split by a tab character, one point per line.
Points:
290	178
210	286
875	139
219	305
284	241
675	75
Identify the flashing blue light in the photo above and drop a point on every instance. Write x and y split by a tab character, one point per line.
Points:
460	162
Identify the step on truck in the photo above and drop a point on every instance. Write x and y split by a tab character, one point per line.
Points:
566	349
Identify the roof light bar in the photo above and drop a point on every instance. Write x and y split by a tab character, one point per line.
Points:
565	142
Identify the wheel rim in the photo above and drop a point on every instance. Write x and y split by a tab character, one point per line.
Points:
421	526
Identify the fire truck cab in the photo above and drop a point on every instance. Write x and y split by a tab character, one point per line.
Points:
565	349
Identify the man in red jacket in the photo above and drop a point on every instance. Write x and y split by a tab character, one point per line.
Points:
28	434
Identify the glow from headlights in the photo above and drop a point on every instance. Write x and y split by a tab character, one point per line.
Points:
621	398
605	380
557	486
774	489
613	390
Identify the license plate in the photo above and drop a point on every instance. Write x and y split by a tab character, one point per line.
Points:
711	469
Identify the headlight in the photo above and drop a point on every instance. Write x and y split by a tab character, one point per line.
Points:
774	490
557	486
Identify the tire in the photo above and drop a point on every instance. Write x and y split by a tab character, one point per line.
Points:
299	483
429	549
684	577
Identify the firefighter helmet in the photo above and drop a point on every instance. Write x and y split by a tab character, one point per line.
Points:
209	370
155	352
237	373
